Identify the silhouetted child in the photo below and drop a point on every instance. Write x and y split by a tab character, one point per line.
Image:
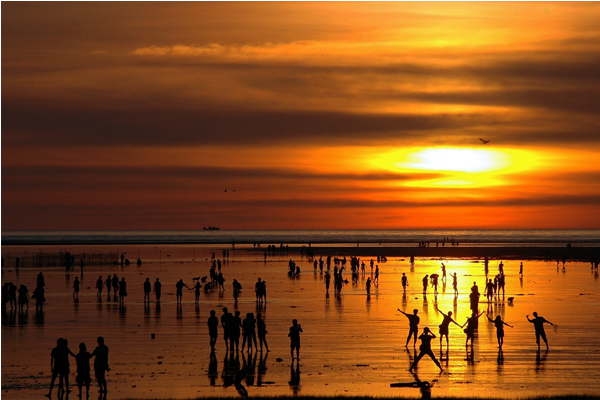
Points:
294	336
425	349
471	324
499	329
83	369
413	321
196	288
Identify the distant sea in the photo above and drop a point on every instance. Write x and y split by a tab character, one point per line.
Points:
330	237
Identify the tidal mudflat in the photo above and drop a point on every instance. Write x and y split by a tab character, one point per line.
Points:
351	345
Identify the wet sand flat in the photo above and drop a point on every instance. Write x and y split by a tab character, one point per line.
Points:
351	345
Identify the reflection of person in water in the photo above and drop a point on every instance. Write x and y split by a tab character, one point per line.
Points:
425	349
538	323
499	329
413	321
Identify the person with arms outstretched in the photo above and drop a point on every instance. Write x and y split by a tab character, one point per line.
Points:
445	327
499	329
425	349
413	321
538	323
471	324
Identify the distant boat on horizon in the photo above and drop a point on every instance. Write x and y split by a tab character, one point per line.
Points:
211	228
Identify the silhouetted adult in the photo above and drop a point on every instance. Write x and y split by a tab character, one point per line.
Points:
157	290
108	284
83	369
425	283
101	364
425	349
59	365
234	336
499	329
147	290
213	326
413	322
455	283
249	331
76	285
261	329
122	290
445	327
179	286
99	286
404	282
226	322
294	336
23	297
538	323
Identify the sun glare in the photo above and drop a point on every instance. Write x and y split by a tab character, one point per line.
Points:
462	160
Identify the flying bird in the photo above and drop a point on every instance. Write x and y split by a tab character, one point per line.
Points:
484	141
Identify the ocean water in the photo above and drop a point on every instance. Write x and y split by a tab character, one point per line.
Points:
352	344
386	237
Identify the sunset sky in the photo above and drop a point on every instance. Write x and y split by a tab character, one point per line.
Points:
311	115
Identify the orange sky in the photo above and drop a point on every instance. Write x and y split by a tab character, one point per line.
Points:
319	115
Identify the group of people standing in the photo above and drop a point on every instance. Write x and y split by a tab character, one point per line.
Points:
60	366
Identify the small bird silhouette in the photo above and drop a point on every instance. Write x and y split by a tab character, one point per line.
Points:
484	141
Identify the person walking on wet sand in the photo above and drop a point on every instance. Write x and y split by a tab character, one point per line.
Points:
499	329
261	328
122	290
425	283
179	286
213	329
294	336
425	349
455	283
76	285
538	323
101	364
445	327
404	282
413	321
99	286
108	284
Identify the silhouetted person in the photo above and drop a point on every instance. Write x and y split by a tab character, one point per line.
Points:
115	285
147	290
294	336
23	297
471	324
499	329
538	323
261	329
455	283
237	288
425	349
474	298
108	284
213	329
59	365
404	281
122	290
521	269
76	285
99	286
39	296
196	288
425	283
368	286
413	321
101	364
445	327
83	369
157	290
179	286
489	290
249	331
226	321
236	327
327	280
40	280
